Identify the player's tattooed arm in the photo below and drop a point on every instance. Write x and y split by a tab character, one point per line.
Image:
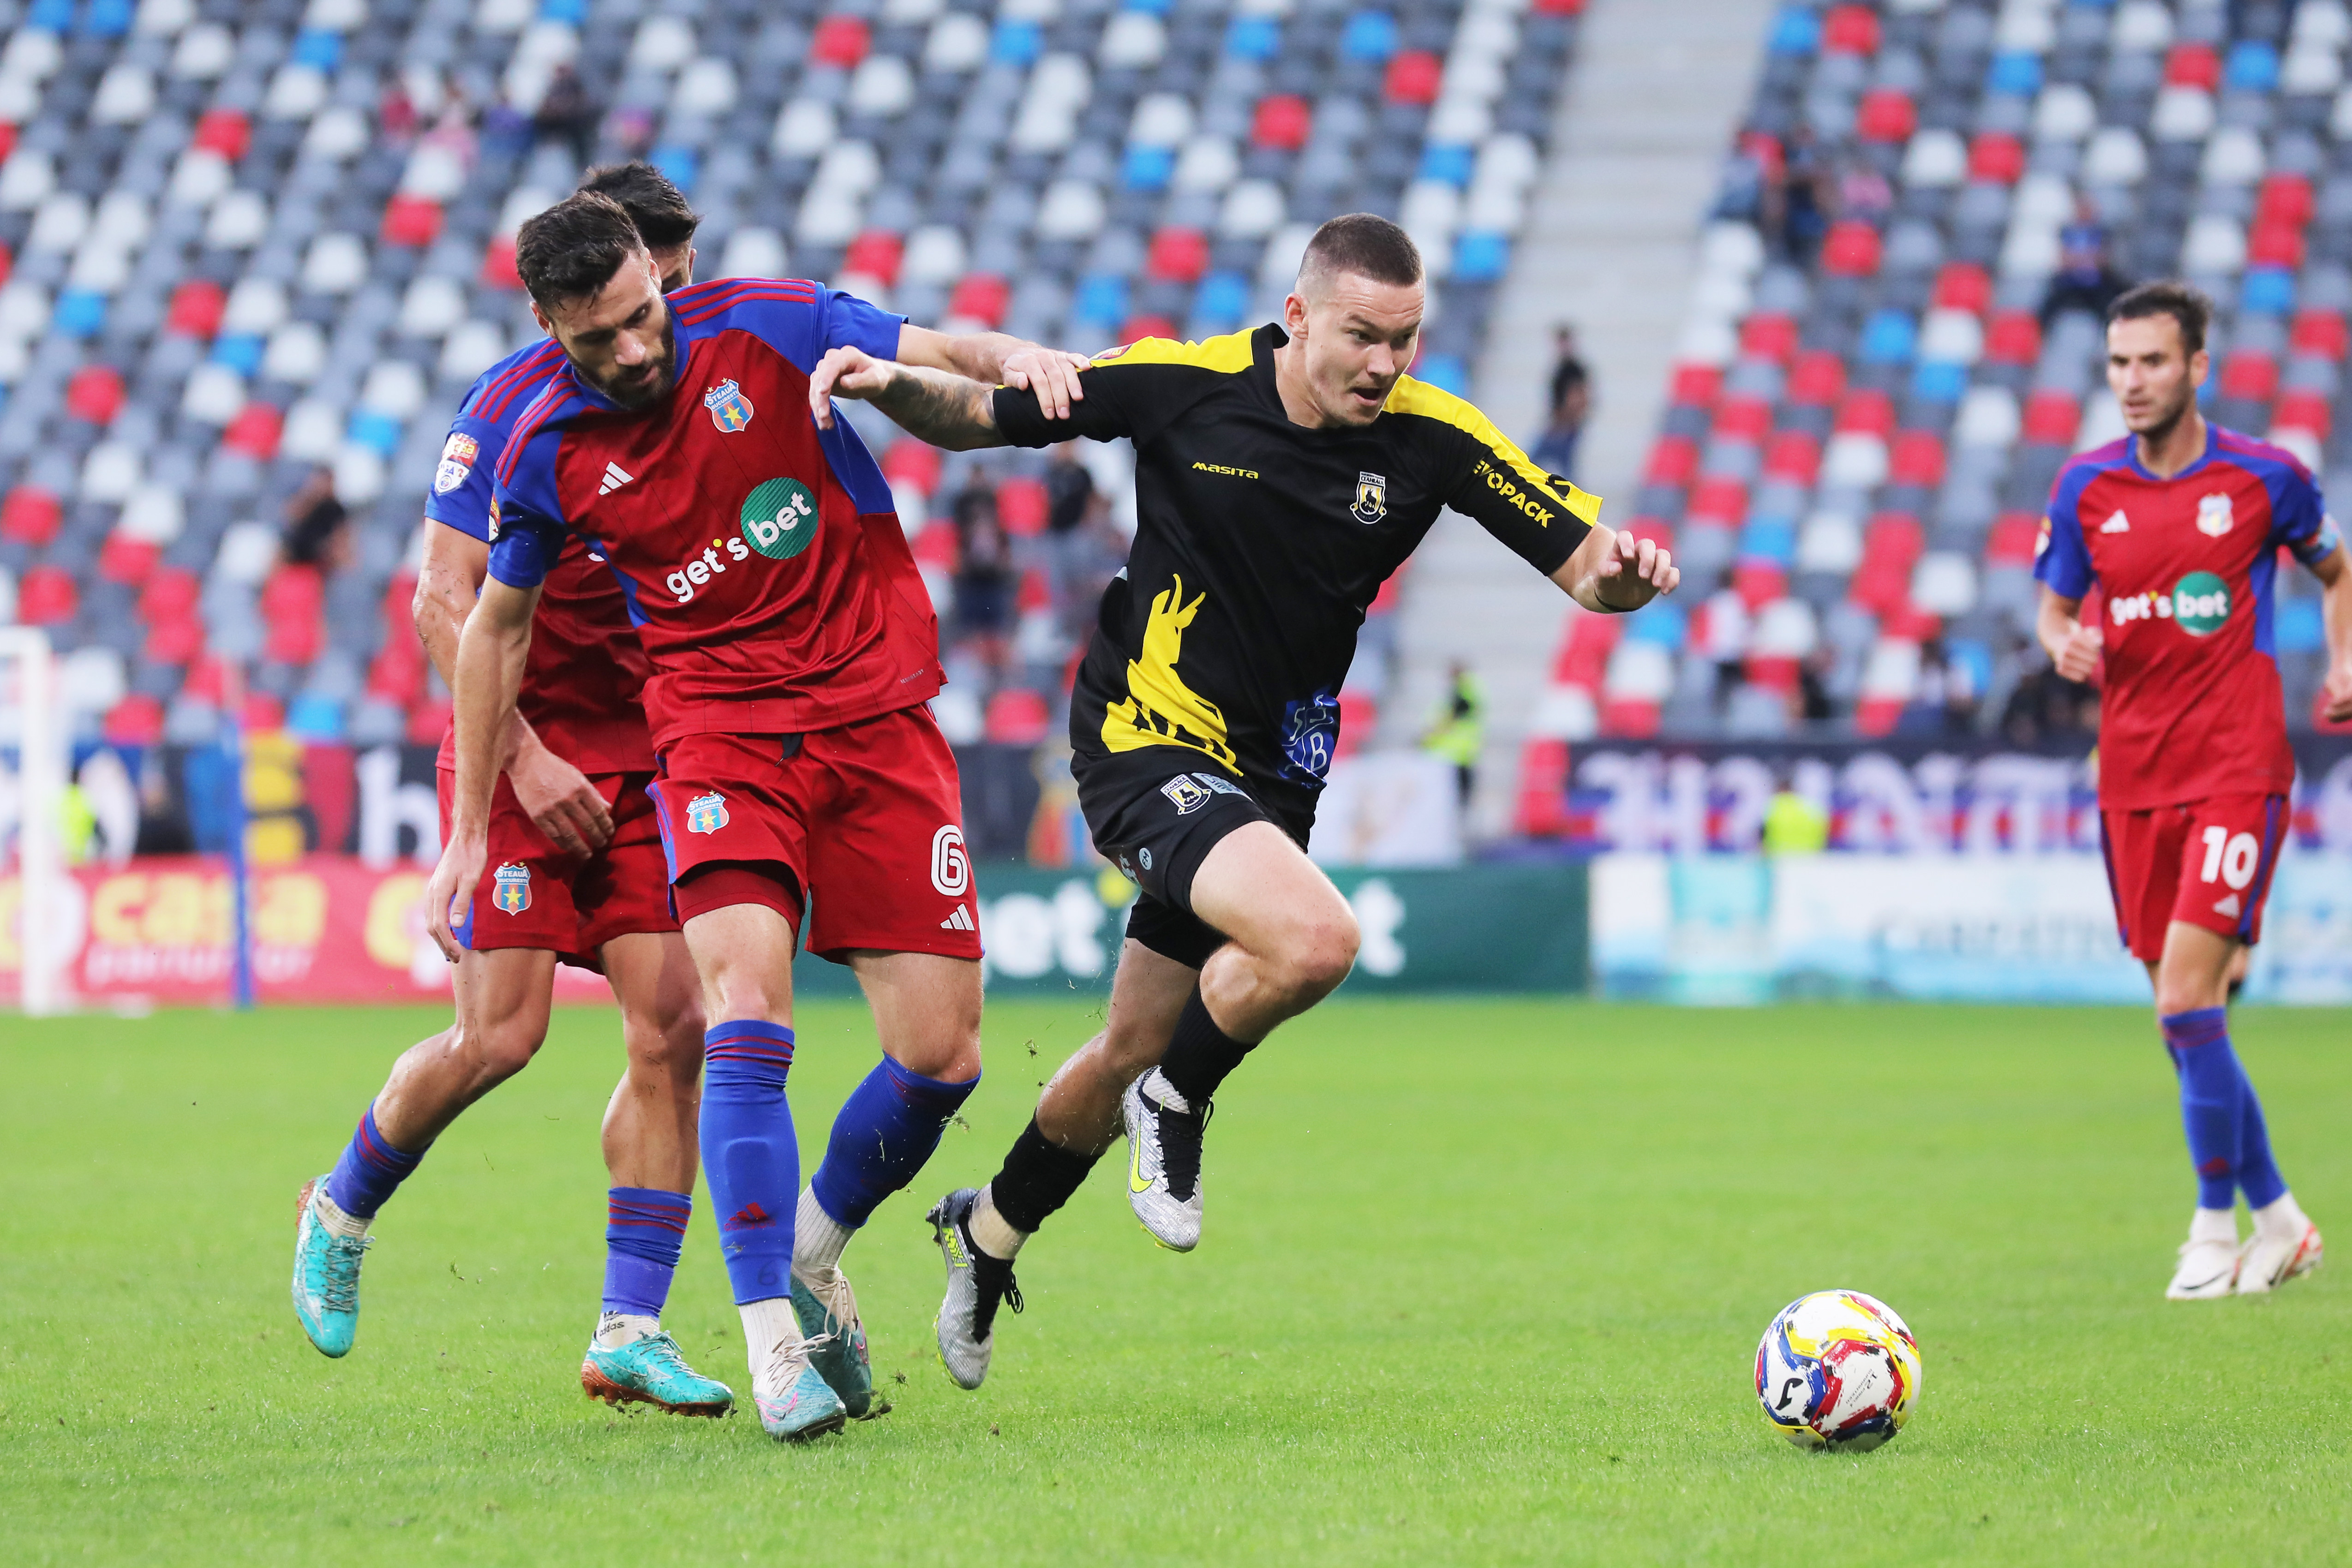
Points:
946	410
490	655
1612	572
995	359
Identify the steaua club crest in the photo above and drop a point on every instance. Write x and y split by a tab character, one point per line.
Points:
512	888
729	409
2214	516
1371	499
705	813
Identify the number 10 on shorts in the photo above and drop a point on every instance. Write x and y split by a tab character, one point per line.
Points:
2230	858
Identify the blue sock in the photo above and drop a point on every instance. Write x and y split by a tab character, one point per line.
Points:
369	1172
886	1129
2258	1173
2213	1095
644	1227
749	1153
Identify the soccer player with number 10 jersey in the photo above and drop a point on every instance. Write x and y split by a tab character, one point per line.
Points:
2178	526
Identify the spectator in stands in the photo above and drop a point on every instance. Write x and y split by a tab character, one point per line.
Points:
2083	280
506	129
2046	709
985	579
163	819
1747	174
1081	548
1798	198
1460	731
1864	192
1946	703
397	119
1571	404
318	529
567	115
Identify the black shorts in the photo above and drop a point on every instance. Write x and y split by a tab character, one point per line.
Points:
1155	814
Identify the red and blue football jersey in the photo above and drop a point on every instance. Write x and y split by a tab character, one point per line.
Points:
2186	566
582	687
761	558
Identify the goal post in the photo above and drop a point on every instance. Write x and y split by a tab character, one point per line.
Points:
29	687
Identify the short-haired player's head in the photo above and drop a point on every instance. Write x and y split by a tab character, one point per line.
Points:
2155	355
1355	315
664	219
594	289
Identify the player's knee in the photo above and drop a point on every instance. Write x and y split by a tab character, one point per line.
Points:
1317	956
504	1046
671	1044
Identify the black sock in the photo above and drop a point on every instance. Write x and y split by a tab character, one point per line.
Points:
1039	1176
1200	1055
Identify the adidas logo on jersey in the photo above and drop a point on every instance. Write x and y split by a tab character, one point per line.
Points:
2230	906
960	920
2118	524
615	477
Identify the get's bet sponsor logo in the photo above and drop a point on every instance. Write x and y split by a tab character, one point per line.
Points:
2198	603
778	520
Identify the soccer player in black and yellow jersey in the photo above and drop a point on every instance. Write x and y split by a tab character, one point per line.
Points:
1281	476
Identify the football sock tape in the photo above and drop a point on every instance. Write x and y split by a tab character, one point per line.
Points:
749	1153
370	1171
886	1131
645	1228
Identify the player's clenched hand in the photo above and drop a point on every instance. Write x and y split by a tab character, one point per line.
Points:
1634	573
845	373
563	804
2339	693
454	876
1053	374
2078	655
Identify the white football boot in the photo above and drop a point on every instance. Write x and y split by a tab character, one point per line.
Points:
2208	1270
1164	1160
2268	1260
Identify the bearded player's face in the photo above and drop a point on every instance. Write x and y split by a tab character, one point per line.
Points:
1357	337
2154	379
620	339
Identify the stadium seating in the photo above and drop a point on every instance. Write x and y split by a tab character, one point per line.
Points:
1886	362
240	239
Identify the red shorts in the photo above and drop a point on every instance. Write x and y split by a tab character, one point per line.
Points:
865	822
533	895
2208	863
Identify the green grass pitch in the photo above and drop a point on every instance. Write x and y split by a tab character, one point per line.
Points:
1482	1282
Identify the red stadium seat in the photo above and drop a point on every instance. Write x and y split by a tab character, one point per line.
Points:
1135	328
1722	499
1852	250
128	560
2012	337
1850	30
498	263
411	220
1866	412
1359	716
2052	417
223	131
1542	810
136	720
95	394
1017	716
1695	385
428	721
254	431
1876	716
1414	77
1657	530
2250	374
1774	672
2321	332
170	592
1631	717
2011	539
179	640
1996	157
398	673
934	545
1886	115
2276	245
1674	460
2193	64
1021	506
1742	418
1558	8
1794	455
1816	379
30	515
2286	199
1282	122
1767	335
1758	583
1583	656
1964	286
1915	457
46	596
876	253
2303	409
840	41
1909	623
196	308
980	296
912	463
1178	255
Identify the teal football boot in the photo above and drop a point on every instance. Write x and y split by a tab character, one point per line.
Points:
652	1370
805	1406
828	1316
326	1277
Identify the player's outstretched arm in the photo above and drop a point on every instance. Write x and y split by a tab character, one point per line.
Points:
2072	646
946	410
994	359
1613	572
491	655
563	804
2335	606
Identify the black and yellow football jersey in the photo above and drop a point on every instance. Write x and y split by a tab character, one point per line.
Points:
1260	544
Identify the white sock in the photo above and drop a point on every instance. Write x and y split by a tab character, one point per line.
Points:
615	1330
2214	1224
2283	1216
1156	1087
766	1325
990	1229
335	1219
817	1238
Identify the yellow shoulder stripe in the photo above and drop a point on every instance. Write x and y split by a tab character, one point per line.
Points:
1411	397
1230	354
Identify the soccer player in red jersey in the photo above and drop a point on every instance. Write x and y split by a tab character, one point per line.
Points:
576	874
800	774
2179	525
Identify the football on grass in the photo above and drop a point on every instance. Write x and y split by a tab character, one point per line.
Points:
1837	1369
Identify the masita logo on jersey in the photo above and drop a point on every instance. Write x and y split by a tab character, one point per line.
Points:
705	813
779	519
511	888
457	455
729	409
2198	603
